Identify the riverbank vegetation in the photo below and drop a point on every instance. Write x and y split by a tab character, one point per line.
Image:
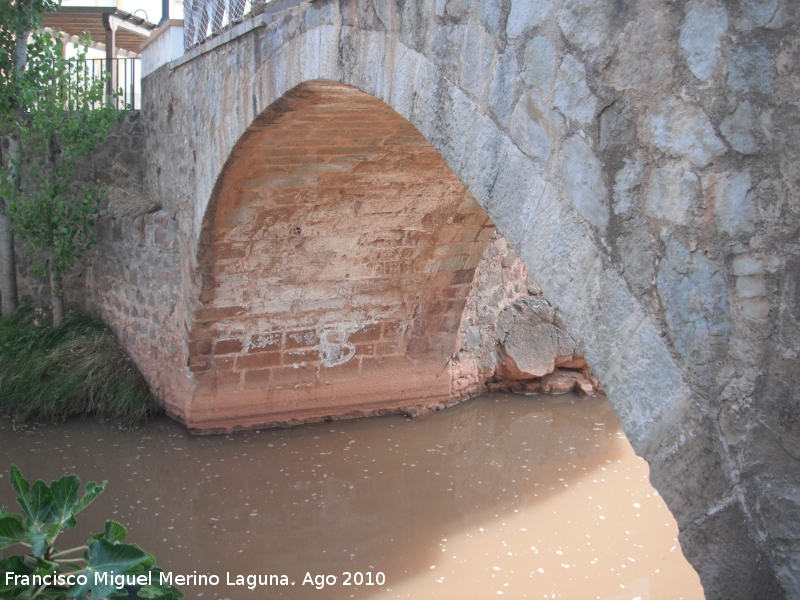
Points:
52	373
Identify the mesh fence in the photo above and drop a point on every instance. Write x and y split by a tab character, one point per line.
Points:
203	19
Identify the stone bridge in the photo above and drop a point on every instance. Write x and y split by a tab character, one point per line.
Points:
324	180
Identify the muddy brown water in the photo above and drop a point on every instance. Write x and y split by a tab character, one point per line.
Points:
503	495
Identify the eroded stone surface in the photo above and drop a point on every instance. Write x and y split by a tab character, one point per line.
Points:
530	343
573	97
739	129
733	208
532	130
671	194
759	13
582	177
644	57
512	337
751	70
526	14
637	251
617	126
585	23
696	299
492	17
503	86
539	62
476	67
705	24
752	578
682	128
627	185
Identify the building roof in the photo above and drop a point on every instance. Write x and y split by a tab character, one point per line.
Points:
132	31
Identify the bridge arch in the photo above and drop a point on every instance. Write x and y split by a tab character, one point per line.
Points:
544	188
336	256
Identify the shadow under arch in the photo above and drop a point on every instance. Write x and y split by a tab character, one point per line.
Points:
336	255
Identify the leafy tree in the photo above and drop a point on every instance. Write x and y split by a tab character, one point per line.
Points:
17	19
69	115
46	512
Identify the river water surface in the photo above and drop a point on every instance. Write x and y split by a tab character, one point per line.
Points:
503	495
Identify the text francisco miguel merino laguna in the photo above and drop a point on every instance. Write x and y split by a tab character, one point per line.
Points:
119	581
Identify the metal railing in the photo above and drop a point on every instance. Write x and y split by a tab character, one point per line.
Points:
125	77
205	18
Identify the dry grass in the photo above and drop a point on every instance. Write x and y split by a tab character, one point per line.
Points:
79	369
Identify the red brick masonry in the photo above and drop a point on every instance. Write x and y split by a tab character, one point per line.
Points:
336	256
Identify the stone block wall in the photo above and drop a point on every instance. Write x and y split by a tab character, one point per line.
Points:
132	282
118	164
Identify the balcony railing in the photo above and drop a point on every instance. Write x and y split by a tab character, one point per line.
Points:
205	18
125	76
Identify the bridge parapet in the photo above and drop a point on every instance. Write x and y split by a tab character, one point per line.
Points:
206	18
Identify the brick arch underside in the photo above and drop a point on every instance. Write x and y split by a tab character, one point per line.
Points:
336	256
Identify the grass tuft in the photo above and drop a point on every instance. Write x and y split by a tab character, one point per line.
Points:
79	369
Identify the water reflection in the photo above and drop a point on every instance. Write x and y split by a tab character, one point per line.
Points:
501	495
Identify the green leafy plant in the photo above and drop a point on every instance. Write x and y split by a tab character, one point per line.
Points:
18	18
104	568
68	115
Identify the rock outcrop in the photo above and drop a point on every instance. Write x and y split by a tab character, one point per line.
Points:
512	338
